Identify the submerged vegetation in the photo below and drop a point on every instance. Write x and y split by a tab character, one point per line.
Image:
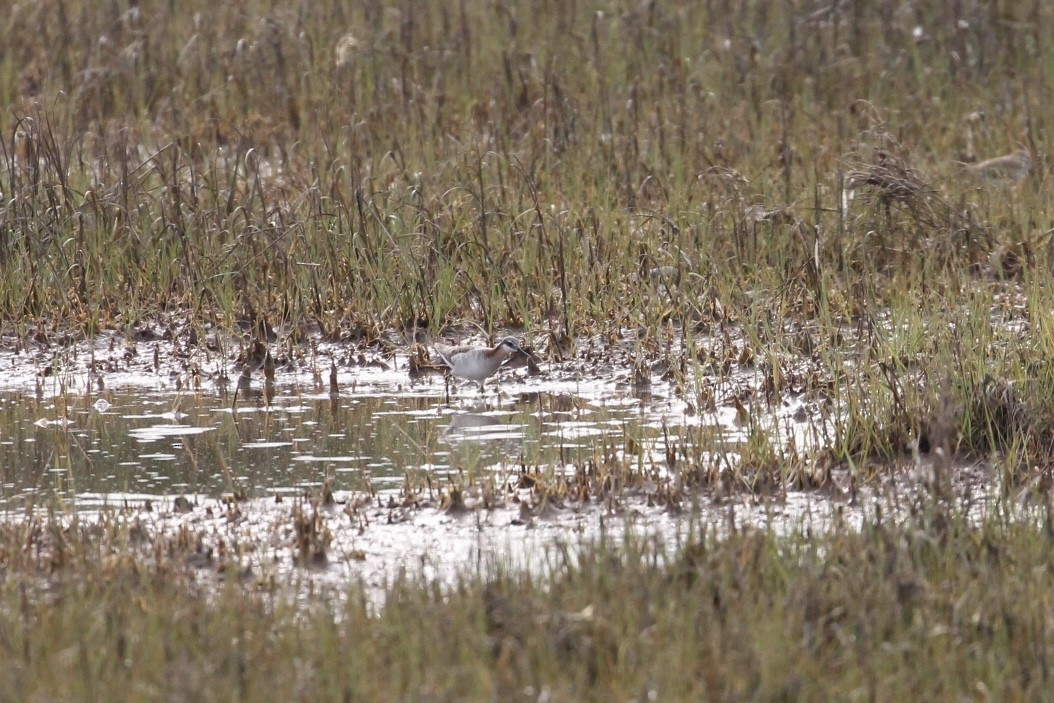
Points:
849	201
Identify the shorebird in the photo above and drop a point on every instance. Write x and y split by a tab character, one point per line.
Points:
479	363
1011	167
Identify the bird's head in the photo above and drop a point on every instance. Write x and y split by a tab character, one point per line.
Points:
512	345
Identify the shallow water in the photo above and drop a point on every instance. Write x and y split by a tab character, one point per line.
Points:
128	442
137	442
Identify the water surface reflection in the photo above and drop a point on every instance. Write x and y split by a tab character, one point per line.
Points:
118	444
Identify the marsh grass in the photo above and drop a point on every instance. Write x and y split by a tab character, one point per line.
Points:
698	191
371	168
937	602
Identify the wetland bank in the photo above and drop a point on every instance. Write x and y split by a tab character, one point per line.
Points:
790	432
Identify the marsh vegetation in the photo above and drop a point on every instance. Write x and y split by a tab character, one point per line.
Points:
843	206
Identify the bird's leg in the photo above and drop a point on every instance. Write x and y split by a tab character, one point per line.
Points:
483	389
